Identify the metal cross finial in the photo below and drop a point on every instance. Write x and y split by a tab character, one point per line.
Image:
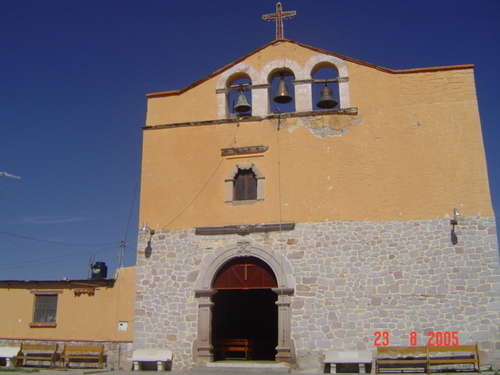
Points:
279	16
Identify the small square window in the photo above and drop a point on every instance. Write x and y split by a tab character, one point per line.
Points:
244	185
45	309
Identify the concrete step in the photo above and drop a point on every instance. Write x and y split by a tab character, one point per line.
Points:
245	367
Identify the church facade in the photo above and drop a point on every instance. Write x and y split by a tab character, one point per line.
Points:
357	221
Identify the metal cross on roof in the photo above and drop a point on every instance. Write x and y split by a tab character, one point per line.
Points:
279	16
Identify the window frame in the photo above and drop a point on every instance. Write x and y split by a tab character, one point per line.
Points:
42	310
230	184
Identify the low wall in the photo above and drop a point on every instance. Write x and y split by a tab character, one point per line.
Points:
115	353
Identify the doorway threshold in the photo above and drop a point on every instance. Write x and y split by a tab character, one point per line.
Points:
247	367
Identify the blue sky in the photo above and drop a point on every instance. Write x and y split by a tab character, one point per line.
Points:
73	80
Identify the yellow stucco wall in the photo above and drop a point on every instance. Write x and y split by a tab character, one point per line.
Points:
80	318
413	151
200	104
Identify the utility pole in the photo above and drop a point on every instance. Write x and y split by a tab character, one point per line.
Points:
121	254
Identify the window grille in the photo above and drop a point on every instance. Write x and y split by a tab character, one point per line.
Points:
45	309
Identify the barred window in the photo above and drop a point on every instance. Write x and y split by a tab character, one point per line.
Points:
45	309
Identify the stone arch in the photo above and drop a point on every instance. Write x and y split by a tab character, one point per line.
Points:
202	347
236	76
213	262
230	181
232	96
247	166
240	70
285	64
322	61
269	71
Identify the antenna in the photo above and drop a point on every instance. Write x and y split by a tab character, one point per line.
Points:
5	174
121	254
91	261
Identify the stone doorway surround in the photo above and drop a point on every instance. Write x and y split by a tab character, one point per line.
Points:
202	346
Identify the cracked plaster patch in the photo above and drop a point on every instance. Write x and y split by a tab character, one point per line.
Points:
331	127
328	132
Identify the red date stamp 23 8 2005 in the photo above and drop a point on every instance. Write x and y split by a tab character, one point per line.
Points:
435	339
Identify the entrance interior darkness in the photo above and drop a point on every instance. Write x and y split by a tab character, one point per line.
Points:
246	314
244	311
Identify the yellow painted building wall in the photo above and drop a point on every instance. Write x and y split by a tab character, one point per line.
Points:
413	151
81	317
199	104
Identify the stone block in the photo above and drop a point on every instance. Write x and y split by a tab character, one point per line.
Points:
309	280
296	255
493	306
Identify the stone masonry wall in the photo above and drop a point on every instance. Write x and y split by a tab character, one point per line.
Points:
350	280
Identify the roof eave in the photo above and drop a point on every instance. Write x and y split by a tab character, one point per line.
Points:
48	283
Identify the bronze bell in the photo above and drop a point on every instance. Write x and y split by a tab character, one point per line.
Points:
282	95
242	104
326	101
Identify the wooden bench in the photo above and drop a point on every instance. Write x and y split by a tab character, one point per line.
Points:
460	354
42	353
360	357
427	356
393	357
160	356
81	353
10	354
244	346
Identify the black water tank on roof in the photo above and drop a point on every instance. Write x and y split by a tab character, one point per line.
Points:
99	270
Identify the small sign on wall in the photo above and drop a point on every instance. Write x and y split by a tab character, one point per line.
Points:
122	326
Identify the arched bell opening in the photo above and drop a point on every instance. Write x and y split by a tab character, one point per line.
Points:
245	312
325	90
282	93
239	96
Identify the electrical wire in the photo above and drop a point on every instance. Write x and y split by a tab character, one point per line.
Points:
121	253
280	228
50	260
80	245
67	257
54	242
131	209
43	261
233	141
25	263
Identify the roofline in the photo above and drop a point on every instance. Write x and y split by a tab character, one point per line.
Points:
319	50
69	283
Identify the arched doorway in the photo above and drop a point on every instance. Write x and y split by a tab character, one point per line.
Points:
244	313
203	346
